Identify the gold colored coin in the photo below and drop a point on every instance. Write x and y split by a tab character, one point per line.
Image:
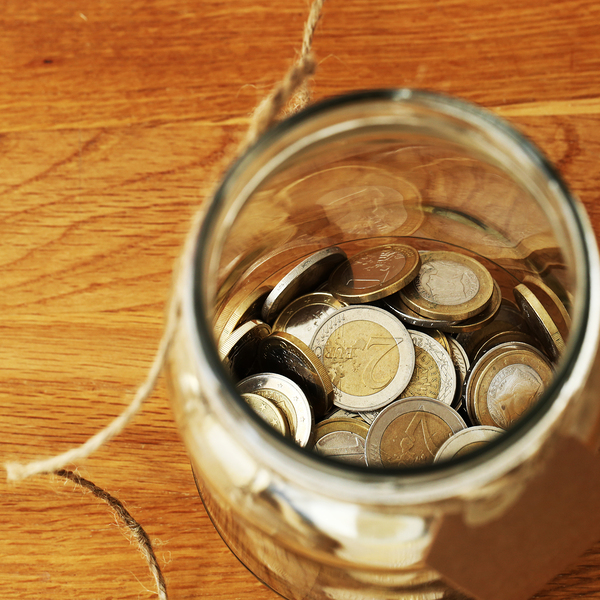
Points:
440	338
449	286
237	313
238	352
342	439
375	273
502	337
268	412
285	354
539	321
552	303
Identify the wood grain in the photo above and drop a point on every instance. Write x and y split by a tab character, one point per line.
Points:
115	117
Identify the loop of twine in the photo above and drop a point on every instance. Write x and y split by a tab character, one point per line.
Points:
293	88
133	527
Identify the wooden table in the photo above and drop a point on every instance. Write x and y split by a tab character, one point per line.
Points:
115	117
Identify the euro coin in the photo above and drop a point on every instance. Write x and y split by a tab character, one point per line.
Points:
552	303
510	380
410	432
288	397
342	439
239	351
268	412
375	273
462	364
303	278
467	441
368	355
434	375
303	316
285	354
398	308
449	286
539	321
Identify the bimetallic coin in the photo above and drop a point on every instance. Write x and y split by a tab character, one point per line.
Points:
449	286
375	273
467	441
342	440
524	373
238	312
303	278
410	432
440	337
239	351
480	320
396	306
303	316
268	412
368	355
288	397
539	321
434	375
285	354
552	303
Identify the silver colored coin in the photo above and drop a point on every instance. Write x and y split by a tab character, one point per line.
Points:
342	440
434	375
340	413
297	409
369	416
410	432
304	315
368	355
467	441
303	278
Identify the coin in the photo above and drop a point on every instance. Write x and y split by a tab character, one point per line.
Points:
539	321
449	286
480	320
461	365
238	352
268	412
552	303
375	273
506	382
340	413
501	337
342	439
303	278
434	375
466	441
410	432
396	306
285	354
303	316
368	355
246	309
508	318
439	337
288	397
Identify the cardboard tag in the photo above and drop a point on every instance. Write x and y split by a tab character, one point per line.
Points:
555	520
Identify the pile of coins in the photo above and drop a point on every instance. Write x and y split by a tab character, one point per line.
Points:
392	357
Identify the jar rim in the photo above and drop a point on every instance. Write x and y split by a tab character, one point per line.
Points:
413	482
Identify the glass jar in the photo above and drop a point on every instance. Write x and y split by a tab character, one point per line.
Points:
393	165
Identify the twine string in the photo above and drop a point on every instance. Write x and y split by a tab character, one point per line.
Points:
134	528
292	88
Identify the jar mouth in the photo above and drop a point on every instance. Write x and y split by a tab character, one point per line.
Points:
433	479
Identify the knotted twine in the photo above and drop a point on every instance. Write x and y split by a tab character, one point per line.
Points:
292	90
